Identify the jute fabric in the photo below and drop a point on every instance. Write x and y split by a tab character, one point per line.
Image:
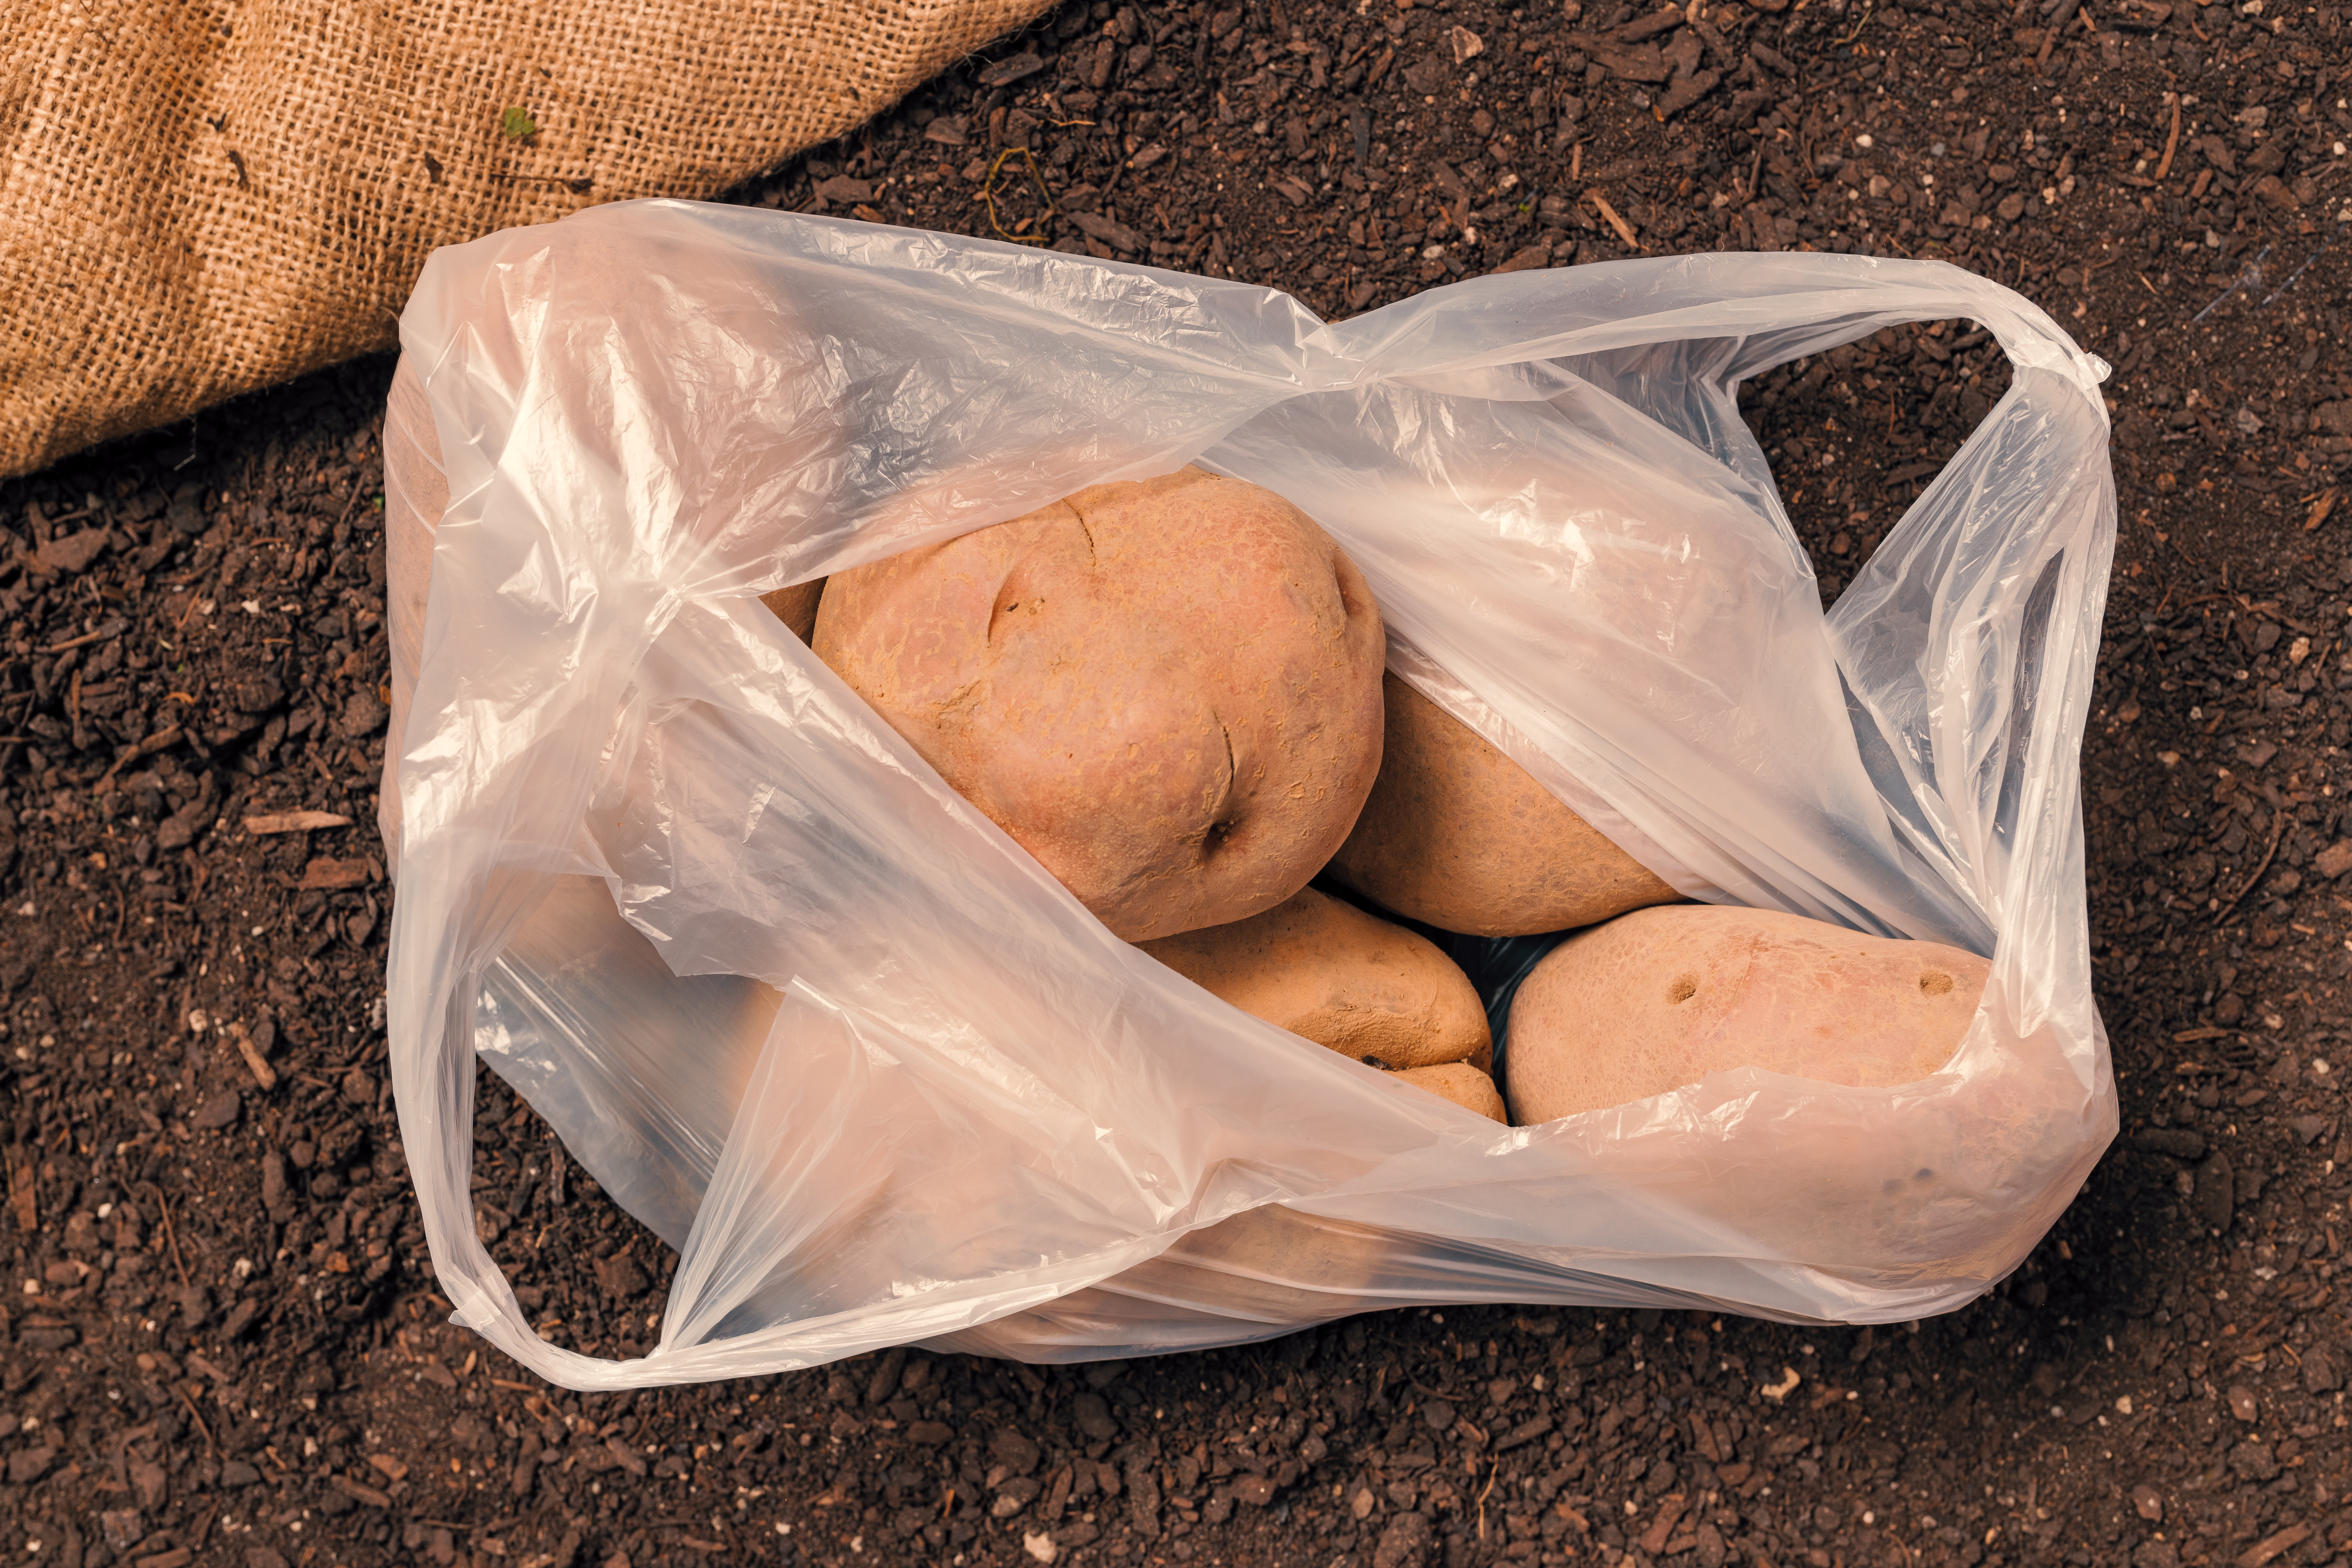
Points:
198	199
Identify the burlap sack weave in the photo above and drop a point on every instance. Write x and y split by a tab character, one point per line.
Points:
202	198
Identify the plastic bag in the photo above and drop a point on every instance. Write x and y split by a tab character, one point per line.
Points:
827	1031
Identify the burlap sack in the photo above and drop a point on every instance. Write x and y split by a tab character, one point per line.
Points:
202	198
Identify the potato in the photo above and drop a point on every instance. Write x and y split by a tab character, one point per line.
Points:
1324	969
1270	1263
796	606
1462	1084
1168	690
1458	836
1658	999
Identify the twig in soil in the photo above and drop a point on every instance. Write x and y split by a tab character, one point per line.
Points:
197	1417
157	742
1624	231
258	1065
988	195
114	628
2060	14
352	505
1117	172
180	625
1491	1474
171	1239
2171	145
2278	826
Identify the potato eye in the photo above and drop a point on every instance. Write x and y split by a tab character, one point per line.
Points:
1935	983
1376	1062
1011	600
1683	988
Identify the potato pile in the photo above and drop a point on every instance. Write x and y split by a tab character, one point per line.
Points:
1172	693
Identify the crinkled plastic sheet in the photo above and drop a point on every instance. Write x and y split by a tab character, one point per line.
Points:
824	1027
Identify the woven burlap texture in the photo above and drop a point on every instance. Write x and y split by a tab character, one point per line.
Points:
201	199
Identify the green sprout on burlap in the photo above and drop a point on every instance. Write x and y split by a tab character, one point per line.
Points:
518	124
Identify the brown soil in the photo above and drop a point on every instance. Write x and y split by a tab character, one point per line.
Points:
221	1340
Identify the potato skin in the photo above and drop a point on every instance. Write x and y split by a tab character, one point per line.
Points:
1167	690
1462	1084
1459	836
1658	999
796	606
1326	970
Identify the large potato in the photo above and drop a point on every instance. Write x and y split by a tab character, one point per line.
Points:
1168	690
1340	977
1459	836
1658	999
796	606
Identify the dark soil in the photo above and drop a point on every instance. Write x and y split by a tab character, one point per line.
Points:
221	1338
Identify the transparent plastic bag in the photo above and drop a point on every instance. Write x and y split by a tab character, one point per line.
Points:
827	1031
